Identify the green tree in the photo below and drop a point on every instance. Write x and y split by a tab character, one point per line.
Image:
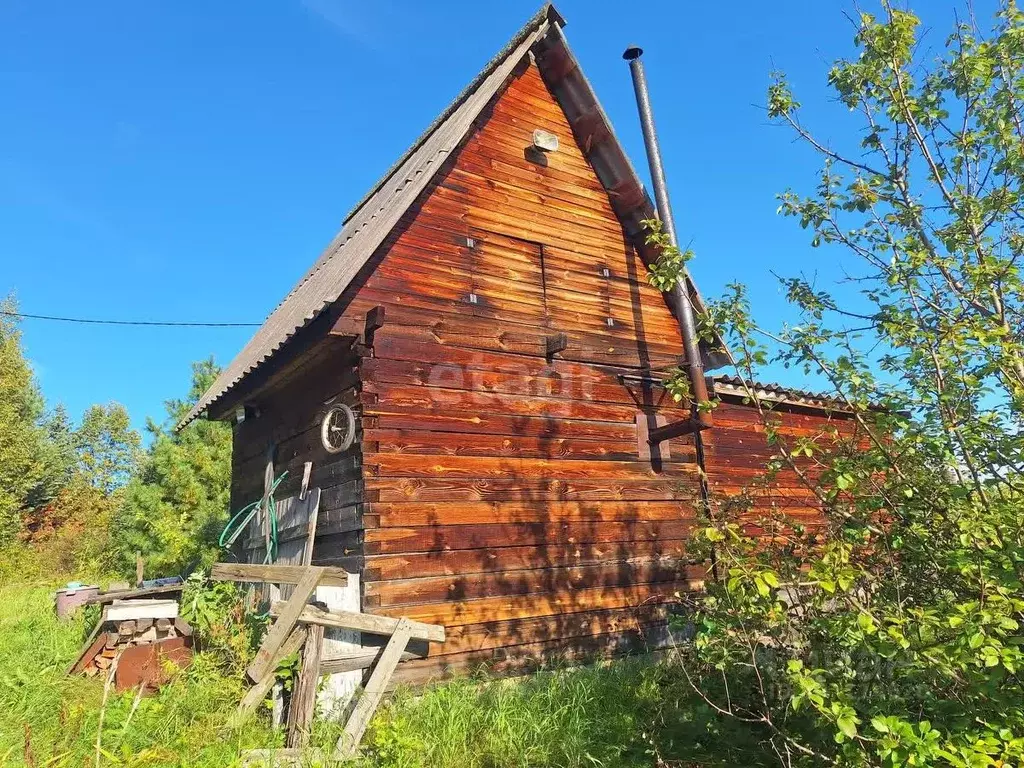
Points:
898	641
107	446
22	436
177	504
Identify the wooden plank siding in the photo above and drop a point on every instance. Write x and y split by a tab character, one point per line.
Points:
737	453
492	489
505	496
290	412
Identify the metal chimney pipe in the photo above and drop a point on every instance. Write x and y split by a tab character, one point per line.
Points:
687	326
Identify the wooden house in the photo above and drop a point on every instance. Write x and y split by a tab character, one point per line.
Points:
469	374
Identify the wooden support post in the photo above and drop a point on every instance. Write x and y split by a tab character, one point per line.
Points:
356	726
258	692
285	622
303	705
139	569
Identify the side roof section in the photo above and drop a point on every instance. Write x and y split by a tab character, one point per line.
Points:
376	215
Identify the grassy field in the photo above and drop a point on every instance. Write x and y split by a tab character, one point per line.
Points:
631	713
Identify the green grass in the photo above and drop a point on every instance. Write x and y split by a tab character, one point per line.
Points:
629	713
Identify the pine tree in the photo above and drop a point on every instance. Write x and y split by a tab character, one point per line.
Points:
176	506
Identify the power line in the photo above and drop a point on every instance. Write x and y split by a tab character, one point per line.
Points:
159	323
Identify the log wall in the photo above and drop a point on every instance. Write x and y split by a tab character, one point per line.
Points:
290	412
493	488
506	498
737	453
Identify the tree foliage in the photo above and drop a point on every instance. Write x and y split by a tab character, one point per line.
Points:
177	504
107	446
24	458
896	638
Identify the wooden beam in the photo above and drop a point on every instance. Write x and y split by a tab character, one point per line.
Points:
275	574
285	622
362	622
351	662
258	692
374	320
129	594
303	704
554	344
348	744
675	429
93	643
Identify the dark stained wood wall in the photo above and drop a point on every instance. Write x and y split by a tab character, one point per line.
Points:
290	412
505	495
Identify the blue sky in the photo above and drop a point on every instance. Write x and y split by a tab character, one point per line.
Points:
188	161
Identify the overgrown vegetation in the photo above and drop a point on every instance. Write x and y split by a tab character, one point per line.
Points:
894	638
631	713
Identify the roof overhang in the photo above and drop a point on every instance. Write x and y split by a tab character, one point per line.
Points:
376	215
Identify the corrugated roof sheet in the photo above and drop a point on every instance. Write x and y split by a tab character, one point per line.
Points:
736	385
376	215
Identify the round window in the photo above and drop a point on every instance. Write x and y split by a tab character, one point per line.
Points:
338	429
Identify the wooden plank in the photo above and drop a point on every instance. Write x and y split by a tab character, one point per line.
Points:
357	723
314	516
454	490
412	514
362	622
259	691
274	574
122	610
285	622
303	704
445	537
516	557
130	594
93	643
506	608
352	662
532	581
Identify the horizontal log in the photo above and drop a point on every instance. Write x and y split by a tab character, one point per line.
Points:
274	574
483	467
446	537
472	586
516	556
363	622
512	489
391	514
506	608
352	662
506	634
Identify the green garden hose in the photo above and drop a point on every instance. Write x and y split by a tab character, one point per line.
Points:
240	521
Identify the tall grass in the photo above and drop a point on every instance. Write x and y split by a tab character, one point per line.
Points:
633	712
50	719
630	713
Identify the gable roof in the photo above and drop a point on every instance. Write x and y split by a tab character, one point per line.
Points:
374	217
